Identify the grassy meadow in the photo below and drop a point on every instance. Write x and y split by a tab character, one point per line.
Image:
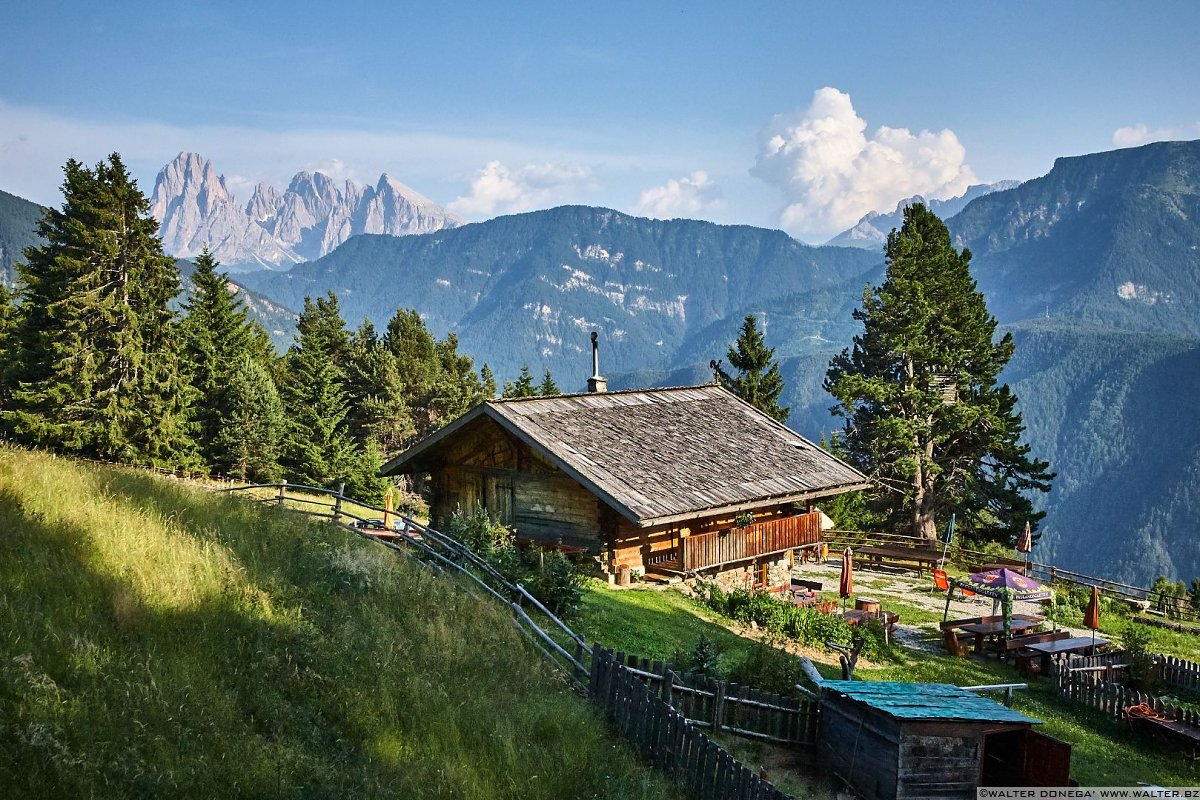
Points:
159	640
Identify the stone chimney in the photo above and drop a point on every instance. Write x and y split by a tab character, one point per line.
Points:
596	384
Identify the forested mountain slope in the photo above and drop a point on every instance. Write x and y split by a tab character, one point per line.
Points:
18	230
528	288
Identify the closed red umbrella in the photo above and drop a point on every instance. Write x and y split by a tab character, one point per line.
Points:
1025	540
846	584
1091	614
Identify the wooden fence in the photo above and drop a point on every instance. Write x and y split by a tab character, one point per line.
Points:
665	736
667	739
1090	689
725	706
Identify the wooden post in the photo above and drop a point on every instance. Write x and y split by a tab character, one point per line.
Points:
718	706
282	491
337	503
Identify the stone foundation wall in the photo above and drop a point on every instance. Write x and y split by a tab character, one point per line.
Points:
745	576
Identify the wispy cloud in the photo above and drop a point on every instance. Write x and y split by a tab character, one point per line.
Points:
497	189
831	173
1139	134
689	196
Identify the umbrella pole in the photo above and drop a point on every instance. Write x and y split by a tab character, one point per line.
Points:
949	594
942	563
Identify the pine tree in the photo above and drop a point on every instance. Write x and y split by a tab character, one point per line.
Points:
8	324
523	387
217	337
379	415
97	368
248	442
548	387
758	381
319	450
918	389
487	381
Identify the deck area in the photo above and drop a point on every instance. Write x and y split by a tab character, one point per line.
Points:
710	550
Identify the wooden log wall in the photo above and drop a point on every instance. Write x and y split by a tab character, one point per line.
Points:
666	738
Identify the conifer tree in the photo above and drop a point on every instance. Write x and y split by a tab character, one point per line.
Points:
758	381
248	442
319	450
217	337
487	380
97	368
379	415
924	414
548	387
8	323
522	387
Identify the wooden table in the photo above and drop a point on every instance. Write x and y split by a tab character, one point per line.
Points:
900	557
1062	647
986	630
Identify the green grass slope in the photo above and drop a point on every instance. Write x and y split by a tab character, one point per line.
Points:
157	640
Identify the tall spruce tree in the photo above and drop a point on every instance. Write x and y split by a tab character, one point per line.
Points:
96	364
247	444
8	324
487	381
548	387
379	415
319	450
758	381
523	386
217	337
918	389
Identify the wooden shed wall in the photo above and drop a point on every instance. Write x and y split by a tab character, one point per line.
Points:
861	746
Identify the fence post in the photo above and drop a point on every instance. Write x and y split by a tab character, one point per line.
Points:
282	491
337	503
718	707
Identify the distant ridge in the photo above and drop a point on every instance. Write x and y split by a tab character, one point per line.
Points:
871	231
277	229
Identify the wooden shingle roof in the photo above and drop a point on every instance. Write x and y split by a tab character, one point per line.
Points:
662	455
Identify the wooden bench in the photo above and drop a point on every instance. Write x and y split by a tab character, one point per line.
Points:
904	557
1179	734
1025	639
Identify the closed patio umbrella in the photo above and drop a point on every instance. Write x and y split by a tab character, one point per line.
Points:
846	584
1091	615
947	539
388	506
1025	540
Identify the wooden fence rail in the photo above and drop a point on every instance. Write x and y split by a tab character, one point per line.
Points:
667	739
725	706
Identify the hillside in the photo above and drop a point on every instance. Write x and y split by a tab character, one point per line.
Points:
164	641
1110	239
18	230
528	288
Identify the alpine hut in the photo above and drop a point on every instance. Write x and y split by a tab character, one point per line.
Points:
674	481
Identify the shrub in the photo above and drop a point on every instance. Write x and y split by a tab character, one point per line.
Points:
767	667
1142	671
555	581
480	532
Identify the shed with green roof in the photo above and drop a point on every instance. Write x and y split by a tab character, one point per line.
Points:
901	741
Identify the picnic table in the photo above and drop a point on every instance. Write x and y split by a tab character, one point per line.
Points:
989	630
1057	649
899	557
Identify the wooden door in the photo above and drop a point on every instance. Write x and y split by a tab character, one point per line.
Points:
498	497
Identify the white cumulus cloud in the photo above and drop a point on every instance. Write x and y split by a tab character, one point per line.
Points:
691	195
1139	134
497	189
831	173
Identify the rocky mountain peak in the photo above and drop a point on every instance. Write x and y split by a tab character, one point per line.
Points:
307	220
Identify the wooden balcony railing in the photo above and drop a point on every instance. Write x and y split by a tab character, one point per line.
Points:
740	544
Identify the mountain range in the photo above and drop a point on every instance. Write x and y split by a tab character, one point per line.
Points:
275	229
872	230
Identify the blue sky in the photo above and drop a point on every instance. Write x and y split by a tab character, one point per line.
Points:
794	115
